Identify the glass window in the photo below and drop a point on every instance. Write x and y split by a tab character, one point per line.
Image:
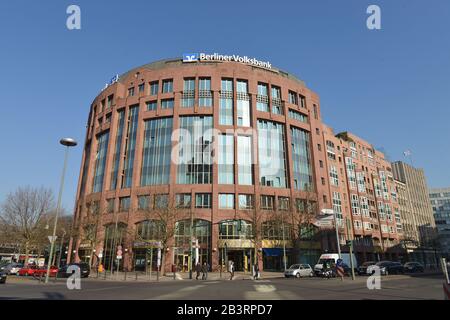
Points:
161	201
110	101
226	201
276	100
131	91
110	205
203	200
141	87
183	200
245	201
144	202
262	99
133	116
267	202
205	95
226	103
157	152
301	157
150	230
167	104
187	100
167	86
195	150
226	159
152	105
124	204
292	97
283	203
272	154
235	229
154	87
100	161
118	145
244	158
297	116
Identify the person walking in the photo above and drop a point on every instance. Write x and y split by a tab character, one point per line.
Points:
205	271
198	269
231	269
256	271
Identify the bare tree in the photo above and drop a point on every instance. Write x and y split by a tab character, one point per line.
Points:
25	214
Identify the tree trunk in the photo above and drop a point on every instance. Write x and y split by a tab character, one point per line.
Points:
26	254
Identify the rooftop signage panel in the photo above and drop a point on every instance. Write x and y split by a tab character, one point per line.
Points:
194	57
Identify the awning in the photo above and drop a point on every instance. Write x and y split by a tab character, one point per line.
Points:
274	252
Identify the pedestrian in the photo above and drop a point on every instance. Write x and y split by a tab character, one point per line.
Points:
256	271
231	269
198	269
204	271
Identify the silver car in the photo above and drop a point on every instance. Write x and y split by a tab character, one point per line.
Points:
299	270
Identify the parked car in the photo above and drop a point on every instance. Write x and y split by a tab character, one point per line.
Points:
3	277
362	270
413	267
12	268
386	268
331	258
37	271
84	270
299	270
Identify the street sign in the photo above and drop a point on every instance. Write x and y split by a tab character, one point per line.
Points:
327	211
118	257
52	238
119	252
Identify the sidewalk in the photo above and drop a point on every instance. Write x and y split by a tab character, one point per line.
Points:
169	276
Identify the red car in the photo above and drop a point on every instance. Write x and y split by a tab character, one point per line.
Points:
37	271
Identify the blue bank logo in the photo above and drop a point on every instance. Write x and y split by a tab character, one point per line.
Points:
190	57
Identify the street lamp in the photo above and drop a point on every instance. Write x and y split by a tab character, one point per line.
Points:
67	142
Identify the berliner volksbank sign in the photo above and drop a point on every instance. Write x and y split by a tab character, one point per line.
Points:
194	57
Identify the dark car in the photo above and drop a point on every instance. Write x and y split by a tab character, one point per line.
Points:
388	267
2	277
84	270
362	269
413	267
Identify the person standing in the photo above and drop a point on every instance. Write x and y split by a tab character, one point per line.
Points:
198	269
204	271
231	269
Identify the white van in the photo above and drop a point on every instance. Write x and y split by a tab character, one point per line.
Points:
331	258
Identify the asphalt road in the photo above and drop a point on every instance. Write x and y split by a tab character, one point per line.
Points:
392	287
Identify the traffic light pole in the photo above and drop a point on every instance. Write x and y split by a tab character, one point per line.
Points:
350	245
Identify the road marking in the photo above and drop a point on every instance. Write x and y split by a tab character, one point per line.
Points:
262	292
181	293
102	289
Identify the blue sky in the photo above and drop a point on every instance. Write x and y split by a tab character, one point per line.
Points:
391	87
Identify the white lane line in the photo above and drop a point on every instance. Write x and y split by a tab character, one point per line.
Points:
177	294
102	289
263	292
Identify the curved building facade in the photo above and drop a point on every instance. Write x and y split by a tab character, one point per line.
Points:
209	161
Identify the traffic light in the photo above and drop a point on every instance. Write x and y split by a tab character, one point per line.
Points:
349	242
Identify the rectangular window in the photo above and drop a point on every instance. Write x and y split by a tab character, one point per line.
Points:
267	202
302	101
141	87
130	137
245	201
226	159
272	154
205	98
302	167
244	159
167	86
203	200
157	151
297	116
262	99
110	205
118	145
183	200
131	91
100	161
364	207
316	114
334	178
152	105
292	97
226	201
124	204
226	103
283	203
188	95
167	104
276	100
243	104
337	204
144	202
195	150
161	201
110	101
355	204
154	87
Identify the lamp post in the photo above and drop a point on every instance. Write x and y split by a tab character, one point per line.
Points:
67	142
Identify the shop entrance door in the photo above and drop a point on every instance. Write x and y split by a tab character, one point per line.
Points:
183	262
241	259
